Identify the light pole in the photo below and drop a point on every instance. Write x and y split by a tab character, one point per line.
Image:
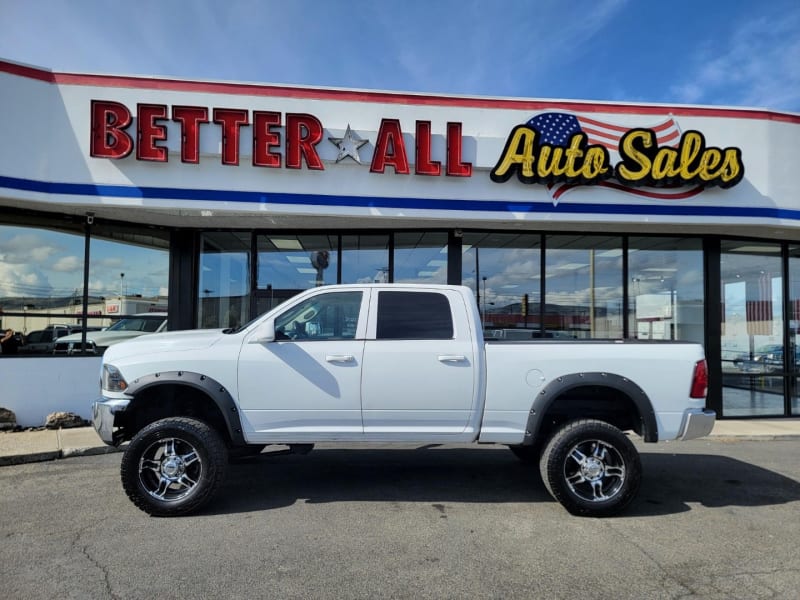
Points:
121	279
483	312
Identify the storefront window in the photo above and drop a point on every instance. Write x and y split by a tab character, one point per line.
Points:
289	264
665	289
753	364
41	281
794	328
504	272
420	257
224	287
583	286
365	258
130	269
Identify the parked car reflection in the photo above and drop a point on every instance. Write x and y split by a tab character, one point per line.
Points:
43	341
765	359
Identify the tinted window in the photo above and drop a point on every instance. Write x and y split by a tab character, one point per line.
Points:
414	316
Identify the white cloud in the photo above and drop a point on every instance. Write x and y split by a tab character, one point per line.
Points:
22	280
25	248
758	65
68	264
109	262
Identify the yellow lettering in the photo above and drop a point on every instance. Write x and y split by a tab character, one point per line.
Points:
572	154
709	162
633	156
597	163
549	164
518	154
643	162
732	169
691	145
664	164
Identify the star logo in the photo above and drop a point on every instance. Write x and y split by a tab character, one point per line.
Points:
348	145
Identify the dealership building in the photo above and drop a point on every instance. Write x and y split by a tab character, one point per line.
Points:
567	219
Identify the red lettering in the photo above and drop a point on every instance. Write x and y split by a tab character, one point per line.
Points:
190	118
108	136
303	132
455	167
231	120
390	148
148	132
264	139
423	164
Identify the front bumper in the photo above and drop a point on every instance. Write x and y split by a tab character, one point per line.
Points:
104	413
697	422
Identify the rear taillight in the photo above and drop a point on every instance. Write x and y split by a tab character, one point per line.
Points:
699	380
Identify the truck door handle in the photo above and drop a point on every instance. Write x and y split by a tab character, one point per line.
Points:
452	358
340	358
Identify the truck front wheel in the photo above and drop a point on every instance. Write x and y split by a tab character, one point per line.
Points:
591	468
174	466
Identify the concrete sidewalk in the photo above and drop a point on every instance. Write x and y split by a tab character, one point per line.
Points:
50	444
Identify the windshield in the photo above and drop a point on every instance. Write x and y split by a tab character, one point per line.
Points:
146	324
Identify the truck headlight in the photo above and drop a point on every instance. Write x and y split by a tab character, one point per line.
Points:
113	381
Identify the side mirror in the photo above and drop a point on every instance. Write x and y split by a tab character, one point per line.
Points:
264	334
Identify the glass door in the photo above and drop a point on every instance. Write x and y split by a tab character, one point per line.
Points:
794	330
754	364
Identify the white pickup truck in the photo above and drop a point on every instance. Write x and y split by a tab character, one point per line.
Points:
391	363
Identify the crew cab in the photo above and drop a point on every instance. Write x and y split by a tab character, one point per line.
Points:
392	363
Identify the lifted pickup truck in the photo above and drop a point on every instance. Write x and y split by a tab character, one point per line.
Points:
391	363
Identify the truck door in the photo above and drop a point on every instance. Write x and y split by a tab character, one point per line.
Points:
306	383
419	365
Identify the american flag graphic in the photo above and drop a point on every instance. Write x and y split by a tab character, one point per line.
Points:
556	129
758	305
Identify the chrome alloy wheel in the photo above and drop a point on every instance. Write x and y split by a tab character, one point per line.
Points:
170	469
594	470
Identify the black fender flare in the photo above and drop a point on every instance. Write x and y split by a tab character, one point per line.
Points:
558	386
212	388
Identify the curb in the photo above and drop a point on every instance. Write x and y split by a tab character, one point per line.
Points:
70	452
778	437
20	459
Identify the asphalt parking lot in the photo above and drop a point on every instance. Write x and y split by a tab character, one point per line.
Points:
714	519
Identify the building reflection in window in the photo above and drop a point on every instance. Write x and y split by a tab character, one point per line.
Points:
665	289
224	286
583	287
365	258
504	272
41	278
420	257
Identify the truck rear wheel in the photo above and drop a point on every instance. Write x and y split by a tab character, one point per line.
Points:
174	466
591	468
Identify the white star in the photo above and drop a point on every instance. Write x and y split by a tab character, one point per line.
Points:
348	145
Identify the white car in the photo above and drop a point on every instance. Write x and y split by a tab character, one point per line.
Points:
124	329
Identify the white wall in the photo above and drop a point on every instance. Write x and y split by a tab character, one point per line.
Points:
35	387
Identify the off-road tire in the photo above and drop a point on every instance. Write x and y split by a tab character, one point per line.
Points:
591	468
174	466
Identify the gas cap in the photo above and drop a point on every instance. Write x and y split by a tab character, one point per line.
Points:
534	378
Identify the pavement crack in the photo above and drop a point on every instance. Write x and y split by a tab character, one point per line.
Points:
84	550
667	575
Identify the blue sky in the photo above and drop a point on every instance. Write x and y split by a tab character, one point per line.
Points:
721	52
